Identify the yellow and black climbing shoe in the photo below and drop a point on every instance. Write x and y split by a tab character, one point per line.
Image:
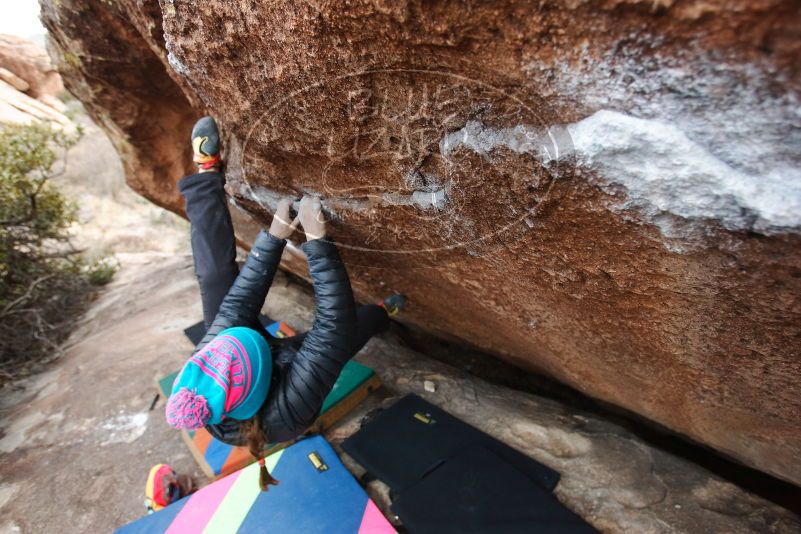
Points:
206	143
393	304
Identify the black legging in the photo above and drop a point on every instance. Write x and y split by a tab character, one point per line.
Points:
214	253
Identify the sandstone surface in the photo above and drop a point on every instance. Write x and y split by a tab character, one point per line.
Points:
606	191
29	84
30	62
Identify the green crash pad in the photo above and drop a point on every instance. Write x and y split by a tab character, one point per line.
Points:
217	459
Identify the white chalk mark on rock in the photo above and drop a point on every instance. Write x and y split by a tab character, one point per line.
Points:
334	204
662	170
547	144
176	64
125	428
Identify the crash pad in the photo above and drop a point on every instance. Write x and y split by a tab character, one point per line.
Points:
316	494
217	459
277	329
476	492
402	443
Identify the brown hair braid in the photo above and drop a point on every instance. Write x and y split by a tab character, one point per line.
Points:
250	429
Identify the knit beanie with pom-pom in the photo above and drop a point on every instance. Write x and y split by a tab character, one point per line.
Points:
229	377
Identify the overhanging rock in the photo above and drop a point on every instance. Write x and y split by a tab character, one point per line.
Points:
608	192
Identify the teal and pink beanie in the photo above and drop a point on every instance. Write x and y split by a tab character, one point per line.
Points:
229	377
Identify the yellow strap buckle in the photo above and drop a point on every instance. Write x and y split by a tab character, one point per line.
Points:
317	462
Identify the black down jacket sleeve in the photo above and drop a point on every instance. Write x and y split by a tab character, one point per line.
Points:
299	387
294	402
244	300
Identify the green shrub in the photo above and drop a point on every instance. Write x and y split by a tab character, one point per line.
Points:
102	271
45	283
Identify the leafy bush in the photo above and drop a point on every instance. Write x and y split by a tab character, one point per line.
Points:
44	282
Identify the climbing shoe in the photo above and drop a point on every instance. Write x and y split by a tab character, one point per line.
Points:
393	304
206	144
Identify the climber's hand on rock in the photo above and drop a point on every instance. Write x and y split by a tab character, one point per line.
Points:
283	226
311	217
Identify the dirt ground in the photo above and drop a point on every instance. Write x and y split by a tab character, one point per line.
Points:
77	440
82	433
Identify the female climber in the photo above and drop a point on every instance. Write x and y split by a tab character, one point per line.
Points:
243	385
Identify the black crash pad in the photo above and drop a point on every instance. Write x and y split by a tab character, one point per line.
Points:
196	332
412	437
478	492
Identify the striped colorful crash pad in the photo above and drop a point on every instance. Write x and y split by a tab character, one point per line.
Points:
218	459
316	495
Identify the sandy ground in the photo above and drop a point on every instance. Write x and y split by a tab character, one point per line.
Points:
82	434
76	441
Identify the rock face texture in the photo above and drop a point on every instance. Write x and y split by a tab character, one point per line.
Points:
31	63
605	191
29	84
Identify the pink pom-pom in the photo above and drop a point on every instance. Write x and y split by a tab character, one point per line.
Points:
187	411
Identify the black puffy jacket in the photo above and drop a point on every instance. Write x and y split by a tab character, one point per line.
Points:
303	373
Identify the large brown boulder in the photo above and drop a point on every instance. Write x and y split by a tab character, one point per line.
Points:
30	62
29	84
605	191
